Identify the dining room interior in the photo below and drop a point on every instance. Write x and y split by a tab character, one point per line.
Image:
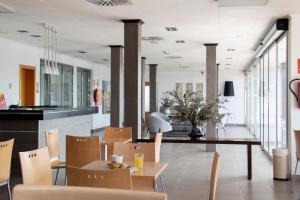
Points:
154	100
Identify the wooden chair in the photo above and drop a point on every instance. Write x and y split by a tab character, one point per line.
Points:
128	150
214	176
111	133
25	192
297	141
81	151
36	167
52	142
6	149
117	178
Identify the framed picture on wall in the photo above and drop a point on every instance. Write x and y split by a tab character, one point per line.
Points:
179	89
189	87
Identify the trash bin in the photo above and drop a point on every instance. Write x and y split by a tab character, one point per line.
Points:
280	164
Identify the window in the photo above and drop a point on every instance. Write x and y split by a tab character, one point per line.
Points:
57	90
83	87
266	96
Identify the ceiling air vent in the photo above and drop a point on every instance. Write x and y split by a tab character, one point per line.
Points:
4	8
238	3
153	40
110	2
173	57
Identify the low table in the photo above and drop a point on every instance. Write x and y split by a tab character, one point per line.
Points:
142	180
233	141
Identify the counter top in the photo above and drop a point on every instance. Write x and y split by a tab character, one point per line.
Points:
44	113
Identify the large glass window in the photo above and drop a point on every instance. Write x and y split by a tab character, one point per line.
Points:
57	90
266	94
83	87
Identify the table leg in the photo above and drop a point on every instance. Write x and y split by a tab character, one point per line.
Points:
249	157
104	152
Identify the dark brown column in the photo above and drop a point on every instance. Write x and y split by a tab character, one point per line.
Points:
143	95
211	88
132	75
116	61
153	87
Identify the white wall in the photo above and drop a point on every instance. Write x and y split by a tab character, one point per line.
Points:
15	53
293	55
168	79
236	104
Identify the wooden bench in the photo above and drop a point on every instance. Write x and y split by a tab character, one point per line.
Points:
232	141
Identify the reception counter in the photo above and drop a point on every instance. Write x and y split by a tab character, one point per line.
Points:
28	125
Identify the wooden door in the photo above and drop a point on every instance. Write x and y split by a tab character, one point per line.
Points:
27	85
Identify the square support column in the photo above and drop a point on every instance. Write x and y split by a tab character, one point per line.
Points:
143	96
132	75
153	87
211	88
116	61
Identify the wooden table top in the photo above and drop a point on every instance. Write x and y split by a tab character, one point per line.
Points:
246	141
112	140
151	170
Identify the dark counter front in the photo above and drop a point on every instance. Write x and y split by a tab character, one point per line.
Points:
28	127
39	113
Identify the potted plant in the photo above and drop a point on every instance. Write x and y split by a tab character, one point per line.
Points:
167	102
196	110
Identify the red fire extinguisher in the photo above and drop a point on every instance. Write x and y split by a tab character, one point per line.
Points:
297	93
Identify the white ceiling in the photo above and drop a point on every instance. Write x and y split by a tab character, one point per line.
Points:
83	26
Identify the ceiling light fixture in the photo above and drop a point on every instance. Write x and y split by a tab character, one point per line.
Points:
50	51
110	2
171	29
36	36
82	52
180	41
22	31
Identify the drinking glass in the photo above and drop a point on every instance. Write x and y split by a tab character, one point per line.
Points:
139	161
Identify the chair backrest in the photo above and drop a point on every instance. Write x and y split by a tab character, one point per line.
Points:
36	167
81	151
156	124
128	150
214	176
297	141
52	142
113	132
117	178
161	115
158	138
6	149
25	192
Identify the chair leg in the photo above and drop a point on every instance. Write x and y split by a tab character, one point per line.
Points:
65	176
293	181
8	189
57	171
161	183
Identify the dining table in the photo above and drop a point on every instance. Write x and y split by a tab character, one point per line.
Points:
142	179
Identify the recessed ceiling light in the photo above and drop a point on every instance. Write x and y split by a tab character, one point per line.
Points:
82	52
171	29
36	36
22	31
165	52
180	41
230	49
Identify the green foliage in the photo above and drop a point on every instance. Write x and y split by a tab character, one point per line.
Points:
191	108
166	100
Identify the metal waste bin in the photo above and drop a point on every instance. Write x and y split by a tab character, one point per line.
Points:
280	164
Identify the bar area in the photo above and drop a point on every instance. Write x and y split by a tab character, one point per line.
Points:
27	125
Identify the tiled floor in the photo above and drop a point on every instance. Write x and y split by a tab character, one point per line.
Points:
187	174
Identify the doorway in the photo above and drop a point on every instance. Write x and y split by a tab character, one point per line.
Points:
27	85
